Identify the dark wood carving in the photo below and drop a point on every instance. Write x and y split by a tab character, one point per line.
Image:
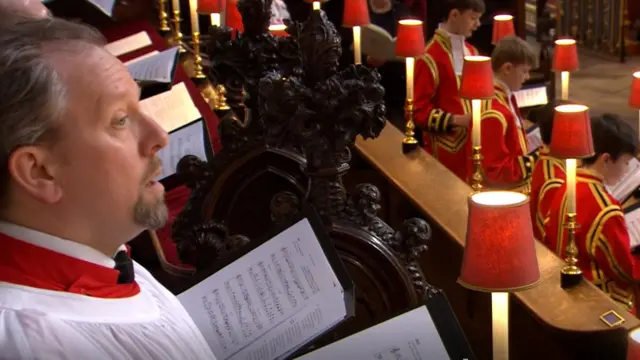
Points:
287	141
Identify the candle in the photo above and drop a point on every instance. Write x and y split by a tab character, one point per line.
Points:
410	62
638	123
279	30
356	46
500	325
193	9
564	81
476	115
175	5
316	5
571	185
215	19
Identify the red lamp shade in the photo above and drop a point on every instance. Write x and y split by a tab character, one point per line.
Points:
571	134
500	253
233	19
279	30
410	38
502	26
633	349
634	95
477	78
565	55
356	13
211	6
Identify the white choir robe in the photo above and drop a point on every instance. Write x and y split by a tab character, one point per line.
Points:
55	325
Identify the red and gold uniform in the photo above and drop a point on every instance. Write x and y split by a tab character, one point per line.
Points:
507	163
604	252
436	100
548	176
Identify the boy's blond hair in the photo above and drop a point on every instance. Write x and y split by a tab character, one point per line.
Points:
514	50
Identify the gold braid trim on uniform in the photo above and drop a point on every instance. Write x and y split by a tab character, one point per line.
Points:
541	219
439	121
433	69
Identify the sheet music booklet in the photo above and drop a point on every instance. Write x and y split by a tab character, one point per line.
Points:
274	298
106	6
531	96
430	331
157	68
629	182
534	138
377	42
632	219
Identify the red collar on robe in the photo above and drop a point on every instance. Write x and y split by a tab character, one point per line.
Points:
22	263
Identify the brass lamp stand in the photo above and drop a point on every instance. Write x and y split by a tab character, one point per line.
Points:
163	17
477	178
571	274
197	59
409	143
176	40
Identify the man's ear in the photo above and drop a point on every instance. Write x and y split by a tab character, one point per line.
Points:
33	170
453	14
507	68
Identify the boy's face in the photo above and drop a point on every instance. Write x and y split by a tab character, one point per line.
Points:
615	170
465	22
514	76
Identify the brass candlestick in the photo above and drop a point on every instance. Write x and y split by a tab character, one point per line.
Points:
409	143
163	17
176	40
197	59
571	273
477	177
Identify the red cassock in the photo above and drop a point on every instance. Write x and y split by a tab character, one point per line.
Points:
436	100
506	162
547	177
604	251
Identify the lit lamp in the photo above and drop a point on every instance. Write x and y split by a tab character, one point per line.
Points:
177	35
502	27
571	140
163	18
634	95
213	8
279	30
633	348
499	255
476	85
316	3
356	14
409	44
565	60
195	40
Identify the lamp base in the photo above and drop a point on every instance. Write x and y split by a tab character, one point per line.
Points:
199	79
409	144
570	278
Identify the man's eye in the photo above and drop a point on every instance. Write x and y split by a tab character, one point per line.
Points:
123	121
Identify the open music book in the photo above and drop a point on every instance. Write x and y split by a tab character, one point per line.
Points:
428	332
128	44
172	109
534	138
378	43
157	68
106	6
632	218
629	182
274	299
188	140
532	96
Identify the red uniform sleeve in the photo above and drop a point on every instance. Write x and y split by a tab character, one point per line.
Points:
501	165
426	81
609	245
545	199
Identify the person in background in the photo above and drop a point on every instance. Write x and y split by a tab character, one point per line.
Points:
547	177
441	115
507	162
12	11
604	252
78	159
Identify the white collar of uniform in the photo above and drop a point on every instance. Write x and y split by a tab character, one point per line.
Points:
504	87
56	244
459	38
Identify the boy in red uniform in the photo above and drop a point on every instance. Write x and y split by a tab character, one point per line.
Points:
507	162
438	111
547	177
604	253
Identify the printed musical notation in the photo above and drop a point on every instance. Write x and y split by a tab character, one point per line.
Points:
628	183
172	109
159	67
129	44
534	96
632	219
534	139
269	302
189	140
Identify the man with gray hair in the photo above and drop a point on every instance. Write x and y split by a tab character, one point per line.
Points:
78	159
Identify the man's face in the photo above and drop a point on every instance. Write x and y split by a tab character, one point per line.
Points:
106	151
514	76
615	170
466	22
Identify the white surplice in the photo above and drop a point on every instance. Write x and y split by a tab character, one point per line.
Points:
53	325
